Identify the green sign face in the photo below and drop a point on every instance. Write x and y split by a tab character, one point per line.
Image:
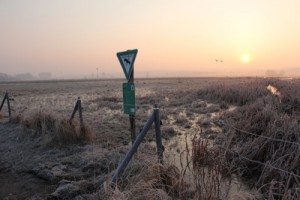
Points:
126	59
129	98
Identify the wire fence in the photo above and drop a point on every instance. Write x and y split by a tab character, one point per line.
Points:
258	162
255	161
262	136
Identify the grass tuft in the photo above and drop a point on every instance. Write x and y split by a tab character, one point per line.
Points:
59	129
145	178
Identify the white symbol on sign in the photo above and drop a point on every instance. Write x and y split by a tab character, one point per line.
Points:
127	61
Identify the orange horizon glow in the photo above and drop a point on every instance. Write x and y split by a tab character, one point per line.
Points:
65	37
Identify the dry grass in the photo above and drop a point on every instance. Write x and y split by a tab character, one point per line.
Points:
210	170
168	131
266	116
260	113
57	128
290	99
235	93
16	118
145	178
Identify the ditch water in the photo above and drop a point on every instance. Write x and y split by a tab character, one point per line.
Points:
178	151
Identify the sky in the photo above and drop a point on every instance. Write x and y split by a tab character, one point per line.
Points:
68	37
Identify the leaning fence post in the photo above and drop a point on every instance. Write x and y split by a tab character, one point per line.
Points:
133	149
5	96
158	134
74	111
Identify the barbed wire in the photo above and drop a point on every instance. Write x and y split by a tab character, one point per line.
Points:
262	136
258	162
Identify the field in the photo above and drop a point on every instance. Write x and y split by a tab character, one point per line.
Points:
224	138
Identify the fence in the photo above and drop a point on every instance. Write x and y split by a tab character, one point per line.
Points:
8	99
262	136
258	162
79	109
154	118
255	161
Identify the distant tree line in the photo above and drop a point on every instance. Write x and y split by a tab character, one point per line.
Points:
273	73
25	77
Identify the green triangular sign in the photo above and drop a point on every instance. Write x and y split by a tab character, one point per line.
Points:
126	59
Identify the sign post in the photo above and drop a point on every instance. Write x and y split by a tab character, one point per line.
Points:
126	59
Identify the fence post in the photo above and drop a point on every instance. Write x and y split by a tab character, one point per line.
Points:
133	149
80	112
158	135
5	96
74	111
8	105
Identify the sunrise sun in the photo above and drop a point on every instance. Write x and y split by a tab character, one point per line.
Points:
245	58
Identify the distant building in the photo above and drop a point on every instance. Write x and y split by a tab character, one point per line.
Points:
45	76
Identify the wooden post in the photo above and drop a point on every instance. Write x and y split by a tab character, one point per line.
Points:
8	106
133	149
80	112
159	145
5	96
74	111
132	117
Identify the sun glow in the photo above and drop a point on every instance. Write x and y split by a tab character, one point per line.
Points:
245	58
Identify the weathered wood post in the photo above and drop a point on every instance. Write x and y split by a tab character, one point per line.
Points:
154	118
4	98
8	106
159	145
133	149
74	111
80	113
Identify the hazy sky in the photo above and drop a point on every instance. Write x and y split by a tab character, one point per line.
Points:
76	36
